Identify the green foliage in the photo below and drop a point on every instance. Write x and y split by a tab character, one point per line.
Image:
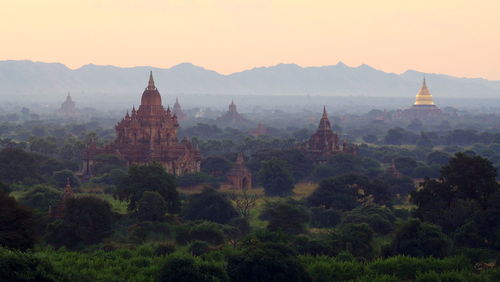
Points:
17	224
215	166
16	165
354	238
324	218
418	239
196	178
151	206
151	177
41	197
266	262
339	193
326	268
188	269
210	205
276	178
287	216
405	268
380	219
297	163
86	220
61	178
17	266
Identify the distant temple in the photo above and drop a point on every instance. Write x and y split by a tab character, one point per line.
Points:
259	130
148	134
231	115
178	110
239	176
424	104
61	206
68	107
325	143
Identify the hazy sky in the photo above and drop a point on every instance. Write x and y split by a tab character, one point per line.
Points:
455	37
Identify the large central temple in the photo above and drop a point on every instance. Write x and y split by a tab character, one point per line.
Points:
149	134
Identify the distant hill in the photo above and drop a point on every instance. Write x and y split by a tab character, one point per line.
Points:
51	80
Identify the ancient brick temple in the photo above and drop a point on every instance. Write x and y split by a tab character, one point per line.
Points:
232	114
324	142
67	194
178	110
239	176
68	107
149	134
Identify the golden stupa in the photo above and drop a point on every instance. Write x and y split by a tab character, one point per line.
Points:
424	104
424	96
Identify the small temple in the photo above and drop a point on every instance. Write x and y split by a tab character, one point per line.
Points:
325	143
260	130
424	103
239	176
68	107
232	114
148	134
177	110
61	206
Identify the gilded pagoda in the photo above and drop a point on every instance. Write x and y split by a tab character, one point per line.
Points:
424	104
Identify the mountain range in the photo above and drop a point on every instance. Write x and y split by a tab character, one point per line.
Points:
51	80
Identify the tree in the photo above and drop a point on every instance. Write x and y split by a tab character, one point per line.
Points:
276	178
355	238
405	165
215	166
62	177
339	193
394	136
188	269
286	216
16	165
418	239
41	197
210	205
85	220
471	177
438	158
244	203
150	177
266	262
20	266
424	141
17	224
344	163
151	207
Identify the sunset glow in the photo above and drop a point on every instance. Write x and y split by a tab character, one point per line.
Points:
455	37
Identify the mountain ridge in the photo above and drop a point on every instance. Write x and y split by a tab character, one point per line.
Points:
28	78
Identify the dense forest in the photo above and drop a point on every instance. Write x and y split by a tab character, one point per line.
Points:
419	201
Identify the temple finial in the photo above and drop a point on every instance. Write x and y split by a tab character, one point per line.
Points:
151	83
324	111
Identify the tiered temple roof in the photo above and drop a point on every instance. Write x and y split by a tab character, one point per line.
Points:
149	134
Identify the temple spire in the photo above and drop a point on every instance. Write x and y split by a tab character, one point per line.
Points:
151	83
324	123
424	96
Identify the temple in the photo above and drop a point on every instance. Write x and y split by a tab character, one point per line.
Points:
148	134
68	107
260	130
61	206
232	114
325	143
178	110
239	176
424	104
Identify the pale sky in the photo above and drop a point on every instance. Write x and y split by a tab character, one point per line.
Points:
455	37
